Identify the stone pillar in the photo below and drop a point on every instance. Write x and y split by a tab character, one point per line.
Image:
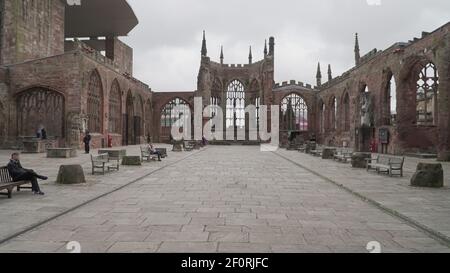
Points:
443	65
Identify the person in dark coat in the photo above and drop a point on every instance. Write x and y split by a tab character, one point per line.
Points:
18	173
87	142
43	134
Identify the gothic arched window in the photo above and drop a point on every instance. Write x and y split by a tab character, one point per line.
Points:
39	108
391	102
173	111
115	113
427	91
235	115
295	112
95	103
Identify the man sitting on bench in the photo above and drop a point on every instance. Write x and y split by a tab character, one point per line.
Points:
18	173
153	151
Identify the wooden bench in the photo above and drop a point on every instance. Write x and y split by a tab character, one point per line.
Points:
146	155
387	164
163	152
104	163
7	183
303	148
343	155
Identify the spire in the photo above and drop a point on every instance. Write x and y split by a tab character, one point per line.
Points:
357	50
319	75
330	74
272	46
250	56
265	48
221	54
204	50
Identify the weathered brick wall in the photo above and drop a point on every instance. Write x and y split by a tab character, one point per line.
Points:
402	61
31	30
108	75
69	74
121	54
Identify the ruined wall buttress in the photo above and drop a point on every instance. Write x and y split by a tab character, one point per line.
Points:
120	53
31	30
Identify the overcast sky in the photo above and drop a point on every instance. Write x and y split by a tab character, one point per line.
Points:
167	41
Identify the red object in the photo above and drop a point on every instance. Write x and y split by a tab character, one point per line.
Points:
110	141
374	146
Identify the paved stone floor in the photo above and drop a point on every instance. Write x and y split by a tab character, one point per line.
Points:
226	199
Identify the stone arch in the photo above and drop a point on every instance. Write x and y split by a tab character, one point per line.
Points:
40	107
295	110
389	98
333	113
169	115
115	108
407	89
346	111
235	111
129	136
95	103
139	117
148	119
322	116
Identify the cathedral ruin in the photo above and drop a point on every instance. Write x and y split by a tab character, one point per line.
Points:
64	68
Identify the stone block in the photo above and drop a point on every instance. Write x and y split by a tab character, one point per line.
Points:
61	153
428	175
33	147
177	147
70	174
328	153
131	161
359	160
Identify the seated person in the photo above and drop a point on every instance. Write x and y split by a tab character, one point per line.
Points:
153	151
18	173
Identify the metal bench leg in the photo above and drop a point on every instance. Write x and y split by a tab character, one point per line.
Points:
9	193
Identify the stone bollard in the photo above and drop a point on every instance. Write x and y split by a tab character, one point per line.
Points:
328	153
131	161
71	174
177	147
359	160
428	175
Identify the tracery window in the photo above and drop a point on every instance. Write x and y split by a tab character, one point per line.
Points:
295	110
39	108
115	114
173	111
427	91
95	103
235	113
392	101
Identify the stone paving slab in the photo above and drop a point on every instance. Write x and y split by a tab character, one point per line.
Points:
26	210
229	199
430	207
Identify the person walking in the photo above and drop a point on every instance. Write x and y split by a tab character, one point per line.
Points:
87	142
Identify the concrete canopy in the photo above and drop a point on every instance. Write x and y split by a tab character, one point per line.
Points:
98	18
